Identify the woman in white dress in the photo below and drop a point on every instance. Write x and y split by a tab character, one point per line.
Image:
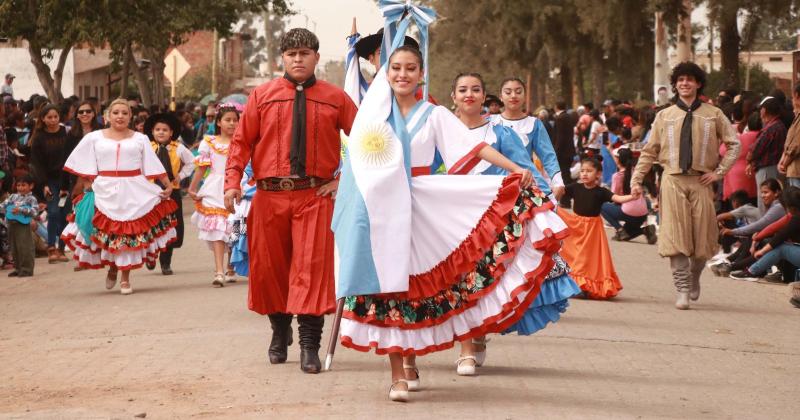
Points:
427	261
133	219
210	216
468	94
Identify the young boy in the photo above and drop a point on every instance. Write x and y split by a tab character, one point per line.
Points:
20	208
163	130
743	213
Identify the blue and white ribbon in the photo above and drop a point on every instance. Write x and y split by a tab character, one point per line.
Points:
398	15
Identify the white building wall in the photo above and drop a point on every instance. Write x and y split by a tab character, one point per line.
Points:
17	61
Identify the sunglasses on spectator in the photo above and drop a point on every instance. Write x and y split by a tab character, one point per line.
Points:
85	111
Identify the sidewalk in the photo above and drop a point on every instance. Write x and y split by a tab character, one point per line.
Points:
178	348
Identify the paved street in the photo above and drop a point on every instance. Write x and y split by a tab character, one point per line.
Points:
178	348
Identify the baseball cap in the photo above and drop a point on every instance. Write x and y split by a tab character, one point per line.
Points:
10	76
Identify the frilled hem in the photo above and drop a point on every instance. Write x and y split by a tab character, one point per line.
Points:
160	211
600	289
212	227
510	314
210	211
552	301
91	256
493	221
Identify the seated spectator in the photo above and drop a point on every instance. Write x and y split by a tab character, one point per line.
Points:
634	213
770	191
743	214
783	247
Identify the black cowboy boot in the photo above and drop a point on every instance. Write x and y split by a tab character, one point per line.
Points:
310	332
281	337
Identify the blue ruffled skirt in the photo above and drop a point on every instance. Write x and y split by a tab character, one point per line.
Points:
552	301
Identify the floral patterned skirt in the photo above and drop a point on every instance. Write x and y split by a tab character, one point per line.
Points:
485	285
125	244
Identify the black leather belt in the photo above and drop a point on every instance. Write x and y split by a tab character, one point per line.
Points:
290	184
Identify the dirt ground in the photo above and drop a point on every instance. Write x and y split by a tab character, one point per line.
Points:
178	348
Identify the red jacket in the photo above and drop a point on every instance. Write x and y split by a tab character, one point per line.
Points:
265	131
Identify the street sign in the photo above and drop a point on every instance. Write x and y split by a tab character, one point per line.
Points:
175	66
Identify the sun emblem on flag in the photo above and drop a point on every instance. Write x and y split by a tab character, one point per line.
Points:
375	144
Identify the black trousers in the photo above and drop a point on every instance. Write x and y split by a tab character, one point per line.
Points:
166	257
565	165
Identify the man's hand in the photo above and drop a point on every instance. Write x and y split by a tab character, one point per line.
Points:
748	170
46	191
636	190
782	165
63	193
329	189
709	178
725	232
760	253
558	192
231	198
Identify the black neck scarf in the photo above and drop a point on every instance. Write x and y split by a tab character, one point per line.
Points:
163	156
297	154
685	159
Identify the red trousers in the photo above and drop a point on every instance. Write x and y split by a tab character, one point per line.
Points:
290	243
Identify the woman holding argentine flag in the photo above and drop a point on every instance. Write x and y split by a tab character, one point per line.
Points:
426	261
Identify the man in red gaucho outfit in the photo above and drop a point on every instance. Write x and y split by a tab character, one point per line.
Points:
290	130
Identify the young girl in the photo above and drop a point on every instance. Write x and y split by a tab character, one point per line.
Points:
533	134
468	93
210	216
586	248
163	131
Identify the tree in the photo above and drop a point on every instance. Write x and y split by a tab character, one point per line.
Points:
725	14
144	27
153	26
48	26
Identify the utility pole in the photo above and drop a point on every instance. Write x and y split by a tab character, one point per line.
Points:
685	31
214	54
710	45
661	65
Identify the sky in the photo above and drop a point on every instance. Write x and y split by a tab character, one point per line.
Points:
331	21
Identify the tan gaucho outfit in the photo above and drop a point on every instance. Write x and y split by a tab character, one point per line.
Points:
688	219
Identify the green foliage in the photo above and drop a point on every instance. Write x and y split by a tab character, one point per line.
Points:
195	85
760	81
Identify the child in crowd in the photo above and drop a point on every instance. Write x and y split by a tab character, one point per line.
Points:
633	214
770	193
239	259
743	214
163	131
586	248
20	208
210	216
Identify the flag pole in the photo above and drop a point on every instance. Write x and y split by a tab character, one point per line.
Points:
337	319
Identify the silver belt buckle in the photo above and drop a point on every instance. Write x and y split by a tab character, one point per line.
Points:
286	184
